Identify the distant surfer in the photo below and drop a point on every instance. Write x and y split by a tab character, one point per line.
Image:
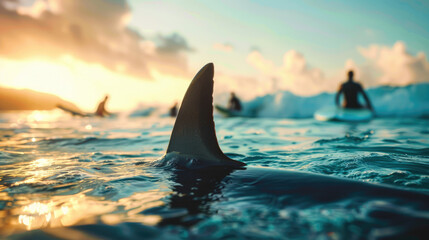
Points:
351	89
234	103
101	109
173	110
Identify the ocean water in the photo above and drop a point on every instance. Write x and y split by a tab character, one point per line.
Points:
63	177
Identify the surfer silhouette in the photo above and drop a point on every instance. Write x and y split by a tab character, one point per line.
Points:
101	109
234	103
173	110
351	89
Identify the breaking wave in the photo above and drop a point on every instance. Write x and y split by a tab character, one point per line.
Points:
408	101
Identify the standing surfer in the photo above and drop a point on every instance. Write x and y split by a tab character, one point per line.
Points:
234	103
351	89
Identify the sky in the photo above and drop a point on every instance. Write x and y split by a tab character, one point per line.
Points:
146	52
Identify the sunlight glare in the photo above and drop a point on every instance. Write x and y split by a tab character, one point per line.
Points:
42	162
85	84
38	116
35	215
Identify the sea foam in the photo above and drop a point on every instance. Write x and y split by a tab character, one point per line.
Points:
408	101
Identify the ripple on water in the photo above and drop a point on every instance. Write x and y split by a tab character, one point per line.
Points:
345	139
99	182
424	152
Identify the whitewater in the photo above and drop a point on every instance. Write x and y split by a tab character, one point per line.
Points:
407	101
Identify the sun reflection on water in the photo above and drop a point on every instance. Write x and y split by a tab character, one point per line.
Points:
63	211
37	171
42	162
35	119
35	215
47	189
38	116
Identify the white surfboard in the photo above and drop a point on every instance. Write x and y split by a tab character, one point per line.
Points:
343	114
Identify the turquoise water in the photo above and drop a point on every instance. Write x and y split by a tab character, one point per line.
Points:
64	177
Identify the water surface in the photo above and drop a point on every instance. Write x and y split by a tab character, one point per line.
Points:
93	178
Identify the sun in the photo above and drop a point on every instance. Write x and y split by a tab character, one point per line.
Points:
46	77
85	84
40	75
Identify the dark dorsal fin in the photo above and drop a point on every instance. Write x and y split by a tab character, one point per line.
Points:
194	131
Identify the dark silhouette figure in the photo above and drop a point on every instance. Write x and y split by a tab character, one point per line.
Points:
234	103
351	89
101	109
173	110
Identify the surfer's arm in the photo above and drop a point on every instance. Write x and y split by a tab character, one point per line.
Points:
368	102
337	97
106	112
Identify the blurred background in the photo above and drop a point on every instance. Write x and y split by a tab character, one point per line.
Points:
146	52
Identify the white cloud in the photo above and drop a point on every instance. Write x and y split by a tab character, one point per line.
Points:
258	61
294	74
94	31
246	87
35	10
394	65
383	66
225	47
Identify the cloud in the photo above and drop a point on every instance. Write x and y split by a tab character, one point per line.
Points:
173	43
94	31
383	65
255	48
294	74
256	60
246	86
393	65
225	47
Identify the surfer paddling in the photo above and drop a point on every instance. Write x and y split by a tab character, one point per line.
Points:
101	109
173	110
100	112
234	103
351	89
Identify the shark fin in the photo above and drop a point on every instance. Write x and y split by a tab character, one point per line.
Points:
194	132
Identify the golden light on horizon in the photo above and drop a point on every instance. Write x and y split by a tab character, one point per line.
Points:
40	75
85	84
40	118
